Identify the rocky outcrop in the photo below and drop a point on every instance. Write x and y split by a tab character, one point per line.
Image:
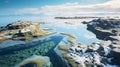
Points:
22	30
99	54
19	25
94	55
105	29
108	29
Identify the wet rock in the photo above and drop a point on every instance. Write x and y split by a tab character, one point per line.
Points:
88	64
101	50
29	65
116	56
108	29
35	61
103	54
89	50
104	28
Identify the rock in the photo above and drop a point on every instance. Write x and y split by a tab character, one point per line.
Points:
68	34
62	47
100	50
115	54
108	29
22	30
84	22
104	28
106	23
19	25
2	28
35	61
29	65
105	53
88	64
89	50
94	55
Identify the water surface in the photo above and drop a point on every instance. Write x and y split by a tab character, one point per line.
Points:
73	26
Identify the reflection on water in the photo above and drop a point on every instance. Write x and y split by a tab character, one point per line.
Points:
74	27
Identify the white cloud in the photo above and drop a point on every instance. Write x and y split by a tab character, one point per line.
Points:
110	7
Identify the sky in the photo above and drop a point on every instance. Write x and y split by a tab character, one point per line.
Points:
38	3
58	7
47	8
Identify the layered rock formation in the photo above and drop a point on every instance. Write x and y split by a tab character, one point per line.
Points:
108	29
82	55
21	30
105	29
99	54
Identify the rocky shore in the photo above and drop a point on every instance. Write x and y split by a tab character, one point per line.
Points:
105	29
23	39
22	30
71	54
110	31
99	54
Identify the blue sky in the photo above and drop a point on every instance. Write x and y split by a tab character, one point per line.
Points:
8	4
11	10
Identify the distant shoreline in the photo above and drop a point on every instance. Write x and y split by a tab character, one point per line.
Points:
76	17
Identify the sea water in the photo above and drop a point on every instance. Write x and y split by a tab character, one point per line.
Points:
72	26
75	27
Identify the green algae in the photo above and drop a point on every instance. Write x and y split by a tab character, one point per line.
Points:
10	60
38	61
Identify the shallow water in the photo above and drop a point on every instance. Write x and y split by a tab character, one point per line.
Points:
74	27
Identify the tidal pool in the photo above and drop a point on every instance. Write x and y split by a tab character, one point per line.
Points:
74	27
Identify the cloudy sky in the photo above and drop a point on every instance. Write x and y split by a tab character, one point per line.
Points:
59	7
41	10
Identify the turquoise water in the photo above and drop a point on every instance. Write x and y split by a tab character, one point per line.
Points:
73	26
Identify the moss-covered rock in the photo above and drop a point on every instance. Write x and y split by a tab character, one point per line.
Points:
68	34
37	61
62	47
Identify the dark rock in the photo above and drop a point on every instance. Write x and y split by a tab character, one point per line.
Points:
104	28
99	34
18	25
89	50
98	65
107	29
116	57
84	22
89	64
101	51
29	65
77	50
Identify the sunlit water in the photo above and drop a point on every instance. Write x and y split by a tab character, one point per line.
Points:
73	26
